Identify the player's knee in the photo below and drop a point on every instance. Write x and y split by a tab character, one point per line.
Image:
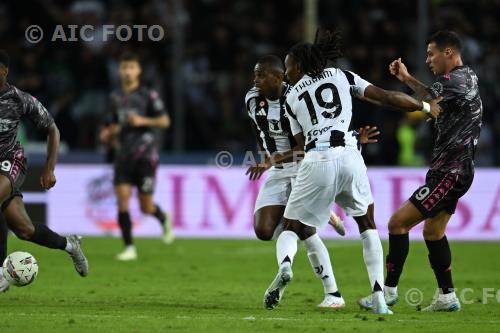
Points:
395	225
147	209
432	234
263	230
307	232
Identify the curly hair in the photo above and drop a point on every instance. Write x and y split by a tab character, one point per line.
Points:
313	58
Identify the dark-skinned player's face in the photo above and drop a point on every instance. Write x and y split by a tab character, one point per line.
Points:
292	70
438	58
129	71
267	79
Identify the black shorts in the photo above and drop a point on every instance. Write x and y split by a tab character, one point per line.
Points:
14	167
139	172
441	192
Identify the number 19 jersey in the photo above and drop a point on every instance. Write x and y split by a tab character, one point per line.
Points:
321	107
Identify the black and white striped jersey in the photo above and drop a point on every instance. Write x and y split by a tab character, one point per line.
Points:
271	120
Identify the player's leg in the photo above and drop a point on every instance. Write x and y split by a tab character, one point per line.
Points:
440	260
144	179
4	284
322	266
266	221
20	223
148	206
373	257
123	193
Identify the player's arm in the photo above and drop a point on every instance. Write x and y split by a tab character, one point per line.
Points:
48	179
254	172
402	101
109	131
157	115
297	152
399	70
39	115
136	120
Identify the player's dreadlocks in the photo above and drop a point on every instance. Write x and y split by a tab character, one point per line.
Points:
313	58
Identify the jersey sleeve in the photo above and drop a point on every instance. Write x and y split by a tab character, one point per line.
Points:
357	84
36	112
250	104
111	117
448	86
292	118
156	106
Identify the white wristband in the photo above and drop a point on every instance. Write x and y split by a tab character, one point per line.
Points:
426	107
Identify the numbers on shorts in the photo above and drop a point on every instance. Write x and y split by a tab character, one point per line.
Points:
5	166
422	193
318	94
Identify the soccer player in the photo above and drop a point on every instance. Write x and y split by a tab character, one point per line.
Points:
14	106
320	109
451	170
135	112
266	107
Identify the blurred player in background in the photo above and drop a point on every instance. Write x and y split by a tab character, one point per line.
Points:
135	112
320	110
266	107
451	171
14	106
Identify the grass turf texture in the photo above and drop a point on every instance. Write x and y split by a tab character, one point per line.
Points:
217	286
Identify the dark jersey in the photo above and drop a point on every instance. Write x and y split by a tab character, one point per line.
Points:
14	105
458	126
136	142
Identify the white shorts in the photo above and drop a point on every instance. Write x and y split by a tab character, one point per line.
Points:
324	177
277	186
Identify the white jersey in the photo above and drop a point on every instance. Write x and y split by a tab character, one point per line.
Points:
271	121
321	108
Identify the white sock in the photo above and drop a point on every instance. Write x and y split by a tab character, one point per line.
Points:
391	290
69	246
130	247
373	256
286	246
278	231
320	262
447	297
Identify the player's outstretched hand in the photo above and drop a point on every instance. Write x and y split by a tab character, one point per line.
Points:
367	134
398	69
48	179
435	108
256	171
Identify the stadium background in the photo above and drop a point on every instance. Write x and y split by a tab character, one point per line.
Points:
203	69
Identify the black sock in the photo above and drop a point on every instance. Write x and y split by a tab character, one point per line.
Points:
399	245
440	259
3	239
159	214
126	227
46	237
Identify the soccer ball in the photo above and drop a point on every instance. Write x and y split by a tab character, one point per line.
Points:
20	268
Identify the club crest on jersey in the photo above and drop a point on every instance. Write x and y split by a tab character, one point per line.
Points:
275	128
437	87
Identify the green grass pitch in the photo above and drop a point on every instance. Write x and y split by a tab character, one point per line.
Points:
217	286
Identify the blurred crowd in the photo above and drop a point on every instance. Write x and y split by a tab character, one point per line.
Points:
222	41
